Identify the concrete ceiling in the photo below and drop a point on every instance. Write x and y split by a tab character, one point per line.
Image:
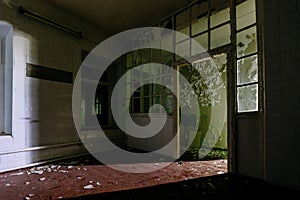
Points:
113	16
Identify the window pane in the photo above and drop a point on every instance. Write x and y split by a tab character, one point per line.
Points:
167	81
146	104
183	23
155	51
183	48
167	103
199	25
247	70
167	60
167	42
246	42
202	40
137	57
128	89
136	105
137	93
247	98
129	60
135	74
220	36
156	72
245	14
146	89
199	18
156	100
157	89
219	17
146	55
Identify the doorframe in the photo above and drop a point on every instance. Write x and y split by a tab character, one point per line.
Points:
231	102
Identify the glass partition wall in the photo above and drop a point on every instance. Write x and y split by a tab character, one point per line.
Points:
227	30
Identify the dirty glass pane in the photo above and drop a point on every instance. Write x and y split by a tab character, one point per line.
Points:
167	60
156	89
129	60
155	50
247	98
245	14
156	100
135	75
183	23
183	49
167	103
220	36
167	42
155	71
247	70
146	55
167	81
146	104
146	89
246	42
199	18
199	25
136	105
128	105
128	90
202	40
219	17
146	73
137	57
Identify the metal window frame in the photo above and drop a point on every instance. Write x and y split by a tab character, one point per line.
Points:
231	51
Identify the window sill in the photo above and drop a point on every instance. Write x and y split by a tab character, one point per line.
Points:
249	114
2	134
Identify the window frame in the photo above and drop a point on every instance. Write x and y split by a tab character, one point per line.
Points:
151	96
6	80
93	106
259	54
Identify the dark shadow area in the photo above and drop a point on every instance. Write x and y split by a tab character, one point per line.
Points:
227	186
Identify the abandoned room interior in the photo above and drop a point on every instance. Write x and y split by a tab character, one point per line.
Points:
134	99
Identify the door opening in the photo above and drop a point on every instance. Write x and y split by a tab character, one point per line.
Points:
215	147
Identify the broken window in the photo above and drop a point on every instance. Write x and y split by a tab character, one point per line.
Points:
247	58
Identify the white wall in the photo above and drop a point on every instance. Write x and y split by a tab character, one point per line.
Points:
42	109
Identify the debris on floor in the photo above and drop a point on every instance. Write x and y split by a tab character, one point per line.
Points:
89	186
87	176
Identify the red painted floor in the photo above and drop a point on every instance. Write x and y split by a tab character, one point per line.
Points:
75	179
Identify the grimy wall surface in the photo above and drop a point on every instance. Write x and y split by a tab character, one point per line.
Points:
282	79
42	109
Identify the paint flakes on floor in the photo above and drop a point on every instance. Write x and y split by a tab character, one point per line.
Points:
64	180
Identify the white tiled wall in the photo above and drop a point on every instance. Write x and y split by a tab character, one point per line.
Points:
42	109
282	66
